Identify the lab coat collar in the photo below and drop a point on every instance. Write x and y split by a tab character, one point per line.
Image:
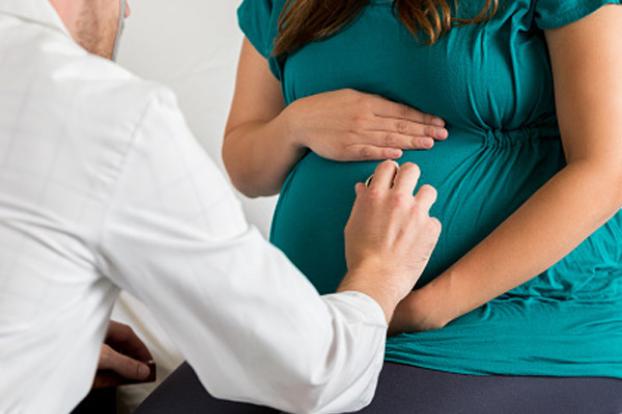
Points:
37	11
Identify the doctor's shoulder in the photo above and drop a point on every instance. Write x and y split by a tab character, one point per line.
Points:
108	94
105	102
76	89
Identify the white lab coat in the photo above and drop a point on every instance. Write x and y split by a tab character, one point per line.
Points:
102	188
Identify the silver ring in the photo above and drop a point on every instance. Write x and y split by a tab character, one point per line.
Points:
369	180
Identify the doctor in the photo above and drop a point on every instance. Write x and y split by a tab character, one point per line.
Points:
103	187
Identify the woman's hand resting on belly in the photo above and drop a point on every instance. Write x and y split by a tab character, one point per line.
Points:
348	125
265	138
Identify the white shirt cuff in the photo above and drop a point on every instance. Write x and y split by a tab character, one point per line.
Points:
359	306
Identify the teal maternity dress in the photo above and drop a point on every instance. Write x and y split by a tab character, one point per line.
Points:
493	85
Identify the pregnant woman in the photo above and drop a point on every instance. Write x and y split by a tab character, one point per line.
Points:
513	111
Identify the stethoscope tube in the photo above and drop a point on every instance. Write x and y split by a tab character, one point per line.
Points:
120	27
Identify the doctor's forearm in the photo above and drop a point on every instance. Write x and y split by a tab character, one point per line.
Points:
570	207
259	155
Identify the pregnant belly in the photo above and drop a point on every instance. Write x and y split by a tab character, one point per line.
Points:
481	179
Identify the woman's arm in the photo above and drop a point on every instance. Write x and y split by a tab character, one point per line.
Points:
264	138
258	152
587	65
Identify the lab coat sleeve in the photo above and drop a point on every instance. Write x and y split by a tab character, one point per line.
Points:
248	322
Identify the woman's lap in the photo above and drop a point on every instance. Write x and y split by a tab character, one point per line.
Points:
406	390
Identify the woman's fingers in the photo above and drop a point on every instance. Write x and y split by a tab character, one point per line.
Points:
407	127
396	140
389	109
365	152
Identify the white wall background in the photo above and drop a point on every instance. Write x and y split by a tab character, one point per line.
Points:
192	46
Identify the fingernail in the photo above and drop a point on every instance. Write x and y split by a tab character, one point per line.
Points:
143	371
443	133
440	122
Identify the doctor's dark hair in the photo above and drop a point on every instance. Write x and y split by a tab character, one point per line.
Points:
305	21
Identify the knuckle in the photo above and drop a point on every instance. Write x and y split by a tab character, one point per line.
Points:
422	142
404	111
365	152
390	140
401	127
374	194
419	211
400	200
358	122
349	151
350	137
429	131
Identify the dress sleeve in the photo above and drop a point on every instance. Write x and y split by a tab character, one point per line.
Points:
551	14
259	21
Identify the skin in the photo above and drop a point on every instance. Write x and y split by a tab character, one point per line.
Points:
375	235
93	25
264	139
384	262
586	57
123	353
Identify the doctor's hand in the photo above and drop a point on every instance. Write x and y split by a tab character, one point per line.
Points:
347	125
390	236
124	359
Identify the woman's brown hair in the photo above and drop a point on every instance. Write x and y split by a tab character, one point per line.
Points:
305	21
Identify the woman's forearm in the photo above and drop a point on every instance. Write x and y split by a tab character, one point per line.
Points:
553	222
260	154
